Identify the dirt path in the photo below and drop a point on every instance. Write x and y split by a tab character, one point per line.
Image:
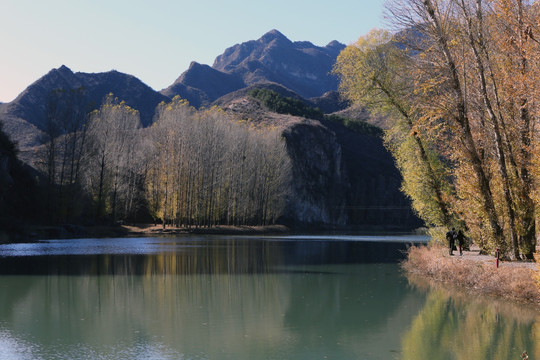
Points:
474	255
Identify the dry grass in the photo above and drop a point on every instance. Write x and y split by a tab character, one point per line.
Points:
511	281
150	229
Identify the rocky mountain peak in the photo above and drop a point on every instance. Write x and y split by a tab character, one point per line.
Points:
64	70
274	35
299	66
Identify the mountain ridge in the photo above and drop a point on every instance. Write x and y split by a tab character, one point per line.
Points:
31	104
299	66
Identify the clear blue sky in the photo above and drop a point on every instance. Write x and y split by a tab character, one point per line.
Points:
155	40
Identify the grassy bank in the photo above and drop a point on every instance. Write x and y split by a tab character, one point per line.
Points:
517	281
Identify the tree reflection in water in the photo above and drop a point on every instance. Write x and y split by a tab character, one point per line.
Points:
243	299
454	325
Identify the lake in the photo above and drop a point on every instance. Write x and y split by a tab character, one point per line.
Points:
241	297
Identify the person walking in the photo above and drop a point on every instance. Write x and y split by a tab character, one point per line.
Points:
460	237
451	237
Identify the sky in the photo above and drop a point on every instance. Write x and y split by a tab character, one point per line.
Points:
156	40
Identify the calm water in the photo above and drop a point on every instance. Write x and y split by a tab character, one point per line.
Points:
242	298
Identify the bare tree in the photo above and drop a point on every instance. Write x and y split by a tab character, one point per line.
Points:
208	169
112	135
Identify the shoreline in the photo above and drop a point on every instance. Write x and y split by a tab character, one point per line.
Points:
33	233
214	230
69	231
517	281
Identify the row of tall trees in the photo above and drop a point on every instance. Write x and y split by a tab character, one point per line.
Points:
190	168
205	169
459	79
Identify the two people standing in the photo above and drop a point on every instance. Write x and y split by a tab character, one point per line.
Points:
452	237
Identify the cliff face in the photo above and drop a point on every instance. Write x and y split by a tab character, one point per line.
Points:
340	177
343	178
373	196
319	182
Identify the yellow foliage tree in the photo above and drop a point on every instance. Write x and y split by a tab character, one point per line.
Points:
464	75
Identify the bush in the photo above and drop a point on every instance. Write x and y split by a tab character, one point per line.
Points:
518	283
287	105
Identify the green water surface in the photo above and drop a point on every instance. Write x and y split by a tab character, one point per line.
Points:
241	299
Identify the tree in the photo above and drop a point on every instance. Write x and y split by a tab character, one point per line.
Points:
208	169
373	73
113	133
466	77
65	134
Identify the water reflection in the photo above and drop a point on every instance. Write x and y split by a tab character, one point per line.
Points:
235	298
187	255
453	325
343	311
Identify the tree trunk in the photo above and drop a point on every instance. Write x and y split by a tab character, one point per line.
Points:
501	158
467	140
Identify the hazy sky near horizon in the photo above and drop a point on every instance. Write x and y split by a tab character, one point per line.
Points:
157	40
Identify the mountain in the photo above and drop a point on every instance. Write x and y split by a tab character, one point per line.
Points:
300	69
31	104
201	84
342	175
298	66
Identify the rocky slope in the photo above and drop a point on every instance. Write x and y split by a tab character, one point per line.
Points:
341	177
299	66
26	116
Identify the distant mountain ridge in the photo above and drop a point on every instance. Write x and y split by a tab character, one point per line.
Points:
273	60
31	104
299	66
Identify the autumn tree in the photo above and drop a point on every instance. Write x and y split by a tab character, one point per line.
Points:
471	68
374	73
111	156
208	169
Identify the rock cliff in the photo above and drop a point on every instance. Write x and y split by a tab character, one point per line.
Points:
341	178
319	180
